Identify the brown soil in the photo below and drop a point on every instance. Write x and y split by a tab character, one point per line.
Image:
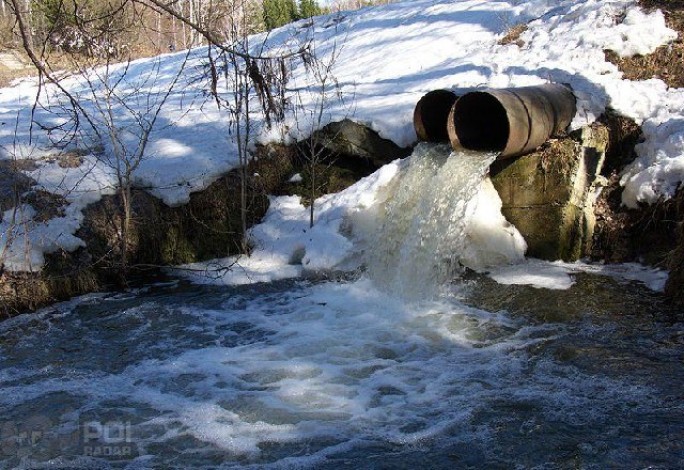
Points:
8	76
612	241
647	234
675	283
654	234
667	62
207	227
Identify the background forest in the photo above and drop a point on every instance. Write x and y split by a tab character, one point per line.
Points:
131	29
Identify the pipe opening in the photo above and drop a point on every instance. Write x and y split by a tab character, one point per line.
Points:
480	122
431	114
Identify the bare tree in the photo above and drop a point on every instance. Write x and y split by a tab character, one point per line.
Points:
240	78
249	71
310	117
110	116
128	118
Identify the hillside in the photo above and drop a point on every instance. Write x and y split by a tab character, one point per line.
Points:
370	66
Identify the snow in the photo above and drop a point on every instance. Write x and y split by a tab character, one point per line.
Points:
24	241
284	244
535	273
637	23
383	60
491	239
558	275
296	178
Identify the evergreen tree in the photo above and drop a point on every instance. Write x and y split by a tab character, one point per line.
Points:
291	10
276	13
280	12
309	8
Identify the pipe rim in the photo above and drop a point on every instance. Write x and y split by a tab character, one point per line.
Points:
484	126
431	113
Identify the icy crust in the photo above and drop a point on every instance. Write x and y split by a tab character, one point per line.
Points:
558	275
384	59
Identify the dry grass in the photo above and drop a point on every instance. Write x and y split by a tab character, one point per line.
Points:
7	76
47	205
65	63
513	34
667	62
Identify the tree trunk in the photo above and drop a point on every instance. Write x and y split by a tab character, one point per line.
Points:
191	14
125	227
159	32
313	195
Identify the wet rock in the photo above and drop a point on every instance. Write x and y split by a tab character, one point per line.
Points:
549	194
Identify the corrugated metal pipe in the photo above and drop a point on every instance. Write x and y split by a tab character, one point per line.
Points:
512	121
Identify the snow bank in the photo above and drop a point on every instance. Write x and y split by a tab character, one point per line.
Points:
383	60
399	222
25	239
284	244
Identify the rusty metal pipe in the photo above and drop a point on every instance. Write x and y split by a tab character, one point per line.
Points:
431	114
511	121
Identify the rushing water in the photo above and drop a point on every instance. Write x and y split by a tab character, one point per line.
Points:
338	374
420	232
344	374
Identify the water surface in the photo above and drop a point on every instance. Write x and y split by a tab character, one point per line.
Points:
337	374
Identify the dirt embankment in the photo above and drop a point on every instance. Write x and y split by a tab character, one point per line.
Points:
653	234
207	227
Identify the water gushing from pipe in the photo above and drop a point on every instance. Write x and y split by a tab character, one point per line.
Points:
421	235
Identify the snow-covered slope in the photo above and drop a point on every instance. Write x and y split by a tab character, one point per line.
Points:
383	60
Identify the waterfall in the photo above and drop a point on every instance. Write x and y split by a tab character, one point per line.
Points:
437	217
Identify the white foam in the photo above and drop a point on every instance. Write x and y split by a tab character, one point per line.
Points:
334	366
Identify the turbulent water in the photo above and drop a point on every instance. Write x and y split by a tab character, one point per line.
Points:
421	233
338	374
343	374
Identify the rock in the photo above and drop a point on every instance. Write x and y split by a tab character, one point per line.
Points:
349	139
549	194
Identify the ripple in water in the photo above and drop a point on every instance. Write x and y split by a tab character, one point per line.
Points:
336	374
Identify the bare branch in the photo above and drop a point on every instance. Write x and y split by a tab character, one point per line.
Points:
40	65
209	36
